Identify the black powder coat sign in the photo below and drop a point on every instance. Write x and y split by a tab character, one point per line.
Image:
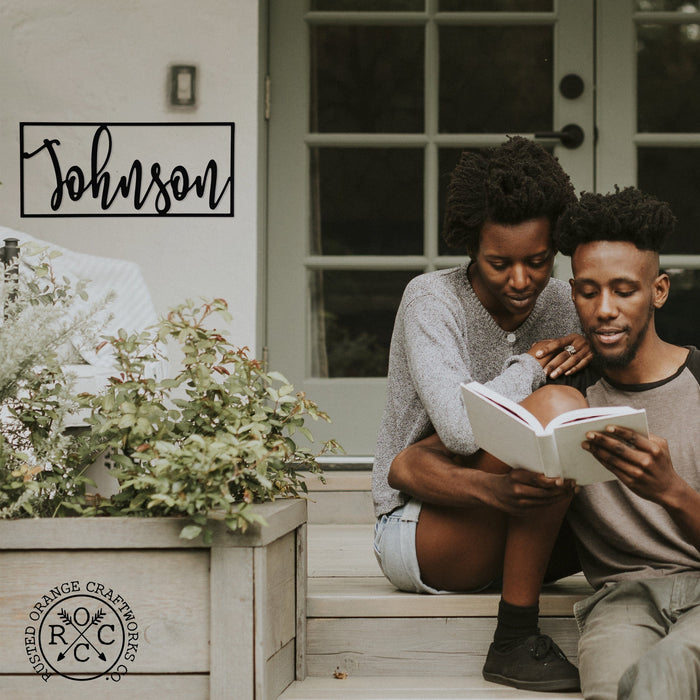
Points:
126	169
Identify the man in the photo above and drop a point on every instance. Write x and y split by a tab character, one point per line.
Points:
639	535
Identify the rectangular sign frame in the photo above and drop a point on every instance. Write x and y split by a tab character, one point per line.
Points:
159	186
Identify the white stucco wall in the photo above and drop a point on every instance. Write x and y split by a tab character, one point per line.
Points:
107	61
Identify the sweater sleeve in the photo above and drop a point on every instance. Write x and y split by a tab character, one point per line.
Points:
438	361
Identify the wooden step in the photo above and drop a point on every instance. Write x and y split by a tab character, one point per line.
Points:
374	596
360	625
345	498
341	550
450	644
411	688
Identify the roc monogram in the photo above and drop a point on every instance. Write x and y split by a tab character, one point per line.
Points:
88	632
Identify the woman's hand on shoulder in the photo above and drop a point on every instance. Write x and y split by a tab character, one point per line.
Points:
562	356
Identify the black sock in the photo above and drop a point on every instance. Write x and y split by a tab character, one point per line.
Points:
515	622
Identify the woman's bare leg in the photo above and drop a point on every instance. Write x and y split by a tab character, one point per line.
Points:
465	549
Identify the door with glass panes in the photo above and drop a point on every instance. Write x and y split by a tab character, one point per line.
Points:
371	103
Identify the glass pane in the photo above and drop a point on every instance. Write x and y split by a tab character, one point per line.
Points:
495	79
367	201
668	78
673	175
352	320
368	5
679	319
366	79
496	5
666	6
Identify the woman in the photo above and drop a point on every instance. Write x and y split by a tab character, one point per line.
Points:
503	321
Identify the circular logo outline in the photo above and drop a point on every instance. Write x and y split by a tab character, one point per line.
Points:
102	601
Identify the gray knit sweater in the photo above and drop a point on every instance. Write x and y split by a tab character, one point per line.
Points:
443	336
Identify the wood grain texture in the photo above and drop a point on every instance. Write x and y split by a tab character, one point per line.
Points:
232	623
222	618
143	687
145	533
168	592
339	481
374	596
341	507
414	646
342	550
412	688
301	600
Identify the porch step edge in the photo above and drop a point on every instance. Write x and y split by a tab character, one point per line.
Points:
410	688
374	596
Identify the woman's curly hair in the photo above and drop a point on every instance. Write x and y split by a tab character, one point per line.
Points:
510	184
624	215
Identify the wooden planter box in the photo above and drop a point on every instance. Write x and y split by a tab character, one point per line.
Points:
172	618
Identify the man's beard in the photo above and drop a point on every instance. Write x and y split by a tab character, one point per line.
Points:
603	362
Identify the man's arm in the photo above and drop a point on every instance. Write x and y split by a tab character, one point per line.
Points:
428	471
644	465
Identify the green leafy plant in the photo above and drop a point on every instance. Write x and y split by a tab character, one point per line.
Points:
220	435
208	443
41	462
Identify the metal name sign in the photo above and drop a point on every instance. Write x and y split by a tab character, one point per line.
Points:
126	169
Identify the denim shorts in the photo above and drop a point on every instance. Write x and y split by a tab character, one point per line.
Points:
395	548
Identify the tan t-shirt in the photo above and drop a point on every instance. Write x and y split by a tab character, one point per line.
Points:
621	535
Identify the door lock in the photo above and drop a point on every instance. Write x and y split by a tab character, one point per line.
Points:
571	136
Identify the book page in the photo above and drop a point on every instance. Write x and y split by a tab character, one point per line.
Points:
581	414
501	432
503	403
577	463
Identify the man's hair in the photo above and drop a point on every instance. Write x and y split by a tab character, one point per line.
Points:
627	215
510	184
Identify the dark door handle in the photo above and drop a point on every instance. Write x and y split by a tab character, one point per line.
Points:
571	136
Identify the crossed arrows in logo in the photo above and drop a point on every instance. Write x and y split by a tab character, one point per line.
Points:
81	629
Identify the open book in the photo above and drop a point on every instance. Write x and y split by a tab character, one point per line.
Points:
511	433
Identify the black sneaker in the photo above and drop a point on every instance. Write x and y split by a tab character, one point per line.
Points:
536	663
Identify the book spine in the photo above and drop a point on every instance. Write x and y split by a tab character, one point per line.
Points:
549	455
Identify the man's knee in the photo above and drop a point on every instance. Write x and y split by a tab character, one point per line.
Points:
669	669
552	400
